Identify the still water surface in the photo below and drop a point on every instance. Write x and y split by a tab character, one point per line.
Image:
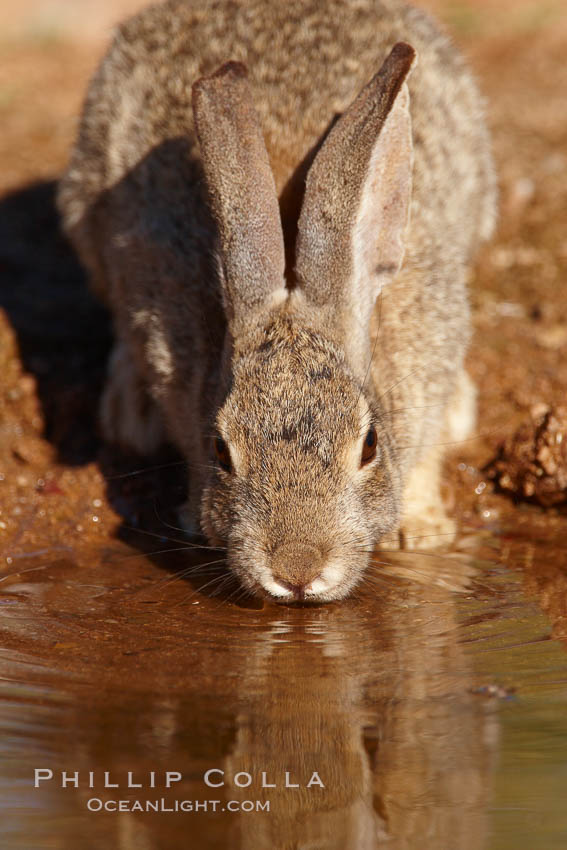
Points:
433	706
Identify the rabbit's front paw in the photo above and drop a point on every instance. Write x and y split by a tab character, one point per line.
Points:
430	530
424	523
128	414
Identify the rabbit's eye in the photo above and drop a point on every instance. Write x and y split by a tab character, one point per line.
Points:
369	446
223	454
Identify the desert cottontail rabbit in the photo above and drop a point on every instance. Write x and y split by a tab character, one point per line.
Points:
305	354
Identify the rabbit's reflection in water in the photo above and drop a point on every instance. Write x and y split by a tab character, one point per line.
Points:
374	696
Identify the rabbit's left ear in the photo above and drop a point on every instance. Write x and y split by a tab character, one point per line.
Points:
355	211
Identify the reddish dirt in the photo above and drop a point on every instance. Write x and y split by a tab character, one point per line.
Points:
57	482
532	464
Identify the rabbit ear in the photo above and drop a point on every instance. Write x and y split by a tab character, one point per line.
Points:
241	188
355	211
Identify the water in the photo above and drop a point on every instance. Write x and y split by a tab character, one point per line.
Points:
431	707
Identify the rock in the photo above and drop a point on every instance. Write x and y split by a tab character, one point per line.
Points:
532	464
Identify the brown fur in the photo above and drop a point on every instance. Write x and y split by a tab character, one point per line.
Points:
182	241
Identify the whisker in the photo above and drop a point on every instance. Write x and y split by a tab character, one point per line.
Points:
175	540
478	436
437	534
145	469
221	577
397	384
193	569
154	552
163	522
452	557
416	407
373	349
236	594
376	579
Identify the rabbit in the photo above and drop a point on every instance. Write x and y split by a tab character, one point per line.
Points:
280	204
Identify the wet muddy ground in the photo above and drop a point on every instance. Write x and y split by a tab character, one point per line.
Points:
432	703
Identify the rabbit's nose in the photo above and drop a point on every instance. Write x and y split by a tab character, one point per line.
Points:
296	565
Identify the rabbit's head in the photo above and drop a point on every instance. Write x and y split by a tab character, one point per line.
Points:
304	480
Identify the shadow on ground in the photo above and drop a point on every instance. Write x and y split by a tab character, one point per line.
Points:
63	334
64	337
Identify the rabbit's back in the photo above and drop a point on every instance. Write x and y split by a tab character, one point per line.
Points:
307	61
133	198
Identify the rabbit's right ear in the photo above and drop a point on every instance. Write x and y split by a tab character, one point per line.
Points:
241	189
355	211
